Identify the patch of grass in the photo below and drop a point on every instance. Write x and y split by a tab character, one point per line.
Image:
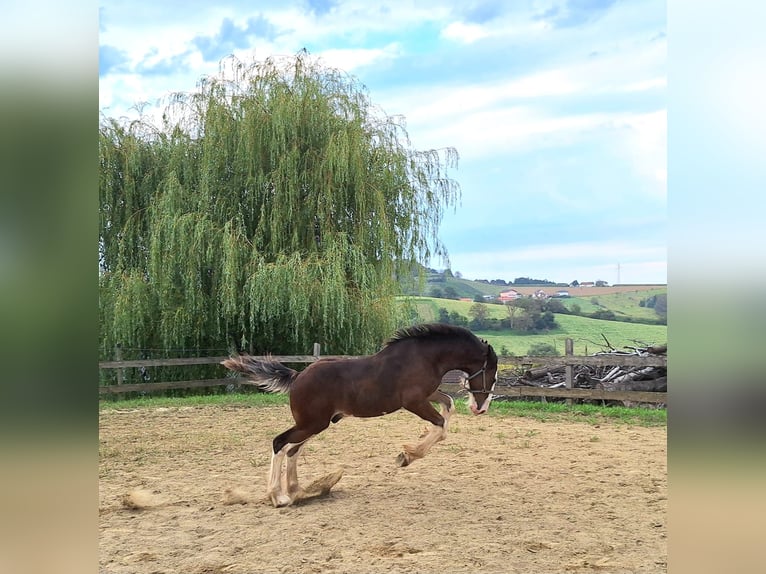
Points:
235	399
593	414
543	412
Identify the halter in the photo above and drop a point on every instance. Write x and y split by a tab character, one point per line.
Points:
481	372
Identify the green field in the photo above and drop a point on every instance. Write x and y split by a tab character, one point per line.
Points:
588	334
621	304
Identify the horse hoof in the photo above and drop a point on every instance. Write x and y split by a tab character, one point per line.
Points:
282	500
402	459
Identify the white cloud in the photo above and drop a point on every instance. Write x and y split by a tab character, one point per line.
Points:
645	145
352	59
465	33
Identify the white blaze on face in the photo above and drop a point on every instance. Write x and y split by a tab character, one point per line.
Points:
475	408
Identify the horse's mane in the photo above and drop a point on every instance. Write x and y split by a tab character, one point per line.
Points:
433	331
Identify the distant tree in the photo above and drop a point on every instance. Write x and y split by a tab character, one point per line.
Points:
456	318
448	273
478	313
501	282
604	315
478	298
523	322
511	308
545	321
437	293
555	306
542	350
458	275
528	304
576	309
661	304
530	281
601	283
451	293
504	352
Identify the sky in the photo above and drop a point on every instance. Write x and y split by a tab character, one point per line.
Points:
557	109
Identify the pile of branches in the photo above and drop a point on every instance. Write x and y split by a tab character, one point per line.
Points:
612	378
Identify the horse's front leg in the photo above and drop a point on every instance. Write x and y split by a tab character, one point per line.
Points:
438	431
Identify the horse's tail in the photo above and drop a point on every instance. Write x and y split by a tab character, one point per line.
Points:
268	375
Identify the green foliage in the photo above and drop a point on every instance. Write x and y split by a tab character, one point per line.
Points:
450	293
604	315
273	208
504	352
478	311
542	350
658	302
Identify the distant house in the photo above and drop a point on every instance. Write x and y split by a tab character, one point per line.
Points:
562	293
587	284
488	297
509	295
465	299
540	294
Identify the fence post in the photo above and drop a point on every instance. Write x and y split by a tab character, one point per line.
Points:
118	357
317	349
568	369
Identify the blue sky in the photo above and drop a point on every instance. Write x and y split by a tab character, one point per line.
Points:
557	109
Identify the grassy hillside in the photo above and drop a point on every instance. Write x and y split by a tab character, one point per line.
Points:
625	304
585	332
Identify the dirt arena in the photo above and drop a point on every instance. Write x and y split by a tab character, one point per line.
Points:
182	490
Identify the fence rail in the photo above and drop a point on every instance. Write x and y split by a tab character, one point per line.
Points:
569	360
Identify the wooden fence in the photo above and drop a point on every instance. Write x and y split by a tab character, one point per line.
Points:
569	361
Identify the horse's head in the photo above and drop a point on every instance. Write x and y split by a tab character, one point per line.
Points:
481	383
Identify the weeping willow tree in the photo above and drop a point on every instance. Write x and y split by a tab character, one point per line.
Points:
273	207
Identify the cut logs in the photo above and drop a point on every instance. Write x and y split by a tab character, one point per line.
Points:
604	376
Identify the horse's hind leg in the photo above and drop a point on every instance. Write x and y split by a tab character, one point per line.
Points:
291	471
274	481
282	485
277	473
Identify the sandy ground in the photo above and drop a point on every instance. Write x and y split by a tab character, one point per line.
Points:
501	494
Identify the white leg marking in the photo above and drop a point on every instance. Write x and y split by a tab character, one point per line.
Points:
291	470
274	484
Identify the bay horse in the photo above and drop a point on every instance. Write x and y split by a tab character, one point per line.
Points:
405	373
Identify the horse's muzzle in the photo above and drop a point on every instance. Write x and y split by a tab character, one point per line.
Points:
477	411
